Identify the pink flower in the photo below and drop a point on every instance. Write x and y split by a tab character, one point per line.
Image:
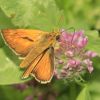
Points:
73	63
91	54
69	53
90	69
60	62
88	63
82	42
21	86
72	57
30	97
76	39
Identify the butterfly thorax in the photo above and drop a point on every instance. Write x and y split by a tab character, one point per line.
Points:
54	37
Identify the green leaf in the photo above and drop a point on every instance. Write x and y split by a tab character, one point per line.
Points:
96	97
5	95
93	41
41	14
20	11
96	63
95	87
5	22
84	94
10	72
12	93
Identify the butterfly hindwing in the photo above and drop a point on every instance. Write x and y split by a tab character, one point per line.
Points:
44	69
31	67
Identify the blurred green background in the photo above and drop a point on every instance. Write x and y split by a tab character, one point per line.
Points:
47	15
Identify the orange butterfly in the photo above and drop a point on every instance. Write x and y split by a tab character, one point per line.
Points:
37	48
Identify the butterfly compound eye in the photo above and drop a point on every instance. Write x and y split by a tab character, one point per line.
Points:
58	37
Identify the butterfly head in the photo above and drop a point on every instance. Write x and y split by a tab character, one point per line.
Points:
56	34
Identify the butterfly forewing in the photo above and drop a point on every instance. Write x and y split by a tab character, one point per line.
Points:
28	43
22	40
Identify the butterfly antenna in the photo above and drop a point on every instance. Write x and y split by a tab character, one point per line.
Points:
71	28
73	34
58	23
